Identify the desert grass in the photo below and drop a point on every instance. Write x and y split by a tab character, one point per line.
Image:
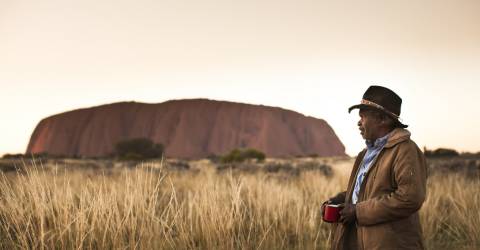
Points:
451	213
150	208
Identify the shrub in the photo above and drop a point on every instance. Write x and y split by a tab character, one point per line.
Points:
277	167
214	158
138	149
178	165
30	156
7	167
13	156
251	153
470	155
441	152
240	155
325	169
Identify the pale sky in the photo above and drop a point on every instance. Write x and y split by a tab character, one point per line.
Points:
313	57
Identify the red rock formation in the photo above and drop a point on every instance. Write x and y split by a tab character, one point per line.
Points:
192	128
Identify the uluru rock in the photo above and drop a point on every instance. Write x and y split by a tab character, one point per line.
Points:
192	128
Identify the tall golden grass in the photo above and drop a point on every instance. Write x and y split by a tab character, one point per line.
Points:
147	208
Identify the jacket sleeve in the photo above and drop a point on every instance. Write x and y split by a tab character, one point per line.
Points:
409	169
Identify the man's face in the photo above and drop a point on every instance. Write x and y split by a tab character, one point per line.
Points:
368	124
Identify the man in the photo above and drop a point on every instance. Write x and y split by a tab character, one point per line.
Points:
388	181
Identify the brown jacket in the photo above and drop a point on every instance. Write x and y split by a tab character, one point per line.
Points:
391	194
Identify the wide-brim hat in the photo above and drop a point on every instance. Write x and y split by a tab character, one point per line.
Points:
384	100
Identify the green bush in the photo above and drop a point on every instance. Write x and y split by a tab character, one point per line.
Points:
240	155
138	149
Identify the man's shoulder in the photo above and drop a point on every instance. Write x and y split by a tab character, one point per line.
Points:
397	136
407	147
408	144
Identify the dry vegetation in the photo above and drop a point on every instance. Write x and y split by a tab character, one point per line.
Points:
150	207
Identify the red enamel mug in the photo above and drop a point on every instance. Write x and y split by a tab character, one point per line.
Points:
331	212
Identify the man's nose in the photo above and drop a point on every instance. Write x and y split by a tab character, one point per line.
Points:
359	123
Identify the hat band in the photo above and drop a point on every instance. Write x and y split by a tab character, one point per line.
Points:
378	106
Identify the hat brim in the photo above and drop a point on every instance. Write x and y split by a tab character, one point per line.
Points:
359	106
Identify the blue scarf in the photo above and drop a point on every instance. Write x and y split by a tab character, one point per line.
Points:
373	149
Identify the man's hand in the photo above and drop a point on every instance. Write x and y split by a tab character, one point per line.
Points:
347	214
337	199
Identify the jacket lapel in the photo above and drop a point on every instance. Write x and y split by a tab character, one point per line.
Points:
353	176
367	174
398	135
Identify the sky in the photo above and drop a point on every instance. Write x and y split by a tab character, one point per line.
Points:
314	57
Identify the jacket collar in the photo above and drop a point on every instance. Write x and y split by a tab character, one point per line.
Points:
396	136
378	143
